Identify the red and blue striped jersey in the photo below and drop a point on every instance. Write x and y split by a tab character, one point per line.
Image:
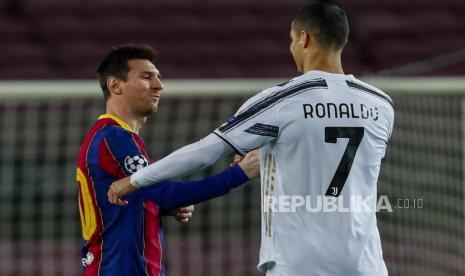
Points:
127	240
116	240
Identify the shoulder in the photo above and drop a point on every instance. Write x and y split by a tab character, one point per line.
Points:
121	142
282	91
114	132
372	90
259	97
116	136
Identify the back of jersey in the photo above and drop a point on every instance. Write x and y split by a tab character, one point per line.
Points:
320	178
321	137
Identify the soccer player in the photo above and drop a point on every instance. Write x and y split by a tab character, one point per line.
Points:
322	136
129	240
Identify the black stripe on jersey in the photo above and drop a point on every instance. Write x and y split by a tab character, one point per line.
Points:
357	86
227	142
284	83
271	100
263	130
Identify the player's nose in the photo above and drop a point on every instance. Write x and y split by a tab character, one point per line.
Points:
157	84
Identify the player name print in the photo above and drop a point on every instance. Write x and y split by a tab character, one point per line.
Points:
340	111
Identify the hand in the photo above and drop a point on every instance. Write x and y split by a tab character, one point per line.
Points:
237	158
118	189
251	164
183	214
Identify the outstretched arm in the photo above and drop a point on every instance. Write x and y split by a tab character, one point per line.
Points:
171	194
185	160
254	125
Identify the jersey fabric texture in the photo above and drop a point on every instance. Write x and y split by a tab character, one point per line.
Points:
128	240
321	136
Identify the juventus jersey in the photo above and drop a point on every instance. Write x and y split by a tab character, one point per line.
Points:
321	137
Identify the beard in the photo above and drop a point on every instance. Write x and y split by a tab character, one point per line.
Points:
146	110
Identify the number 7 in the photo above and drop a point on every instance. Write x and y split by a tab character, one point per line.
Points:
355	135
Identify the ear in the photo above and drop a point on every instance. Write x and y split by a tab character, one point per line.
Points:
305	39
114	85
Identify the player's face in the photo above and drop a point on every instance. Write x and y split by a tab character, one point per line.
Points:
296	50
142	88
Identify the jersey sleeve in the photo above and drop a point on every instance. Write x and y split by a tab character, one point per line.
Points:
255	124
183	161
390	129
120	154
126	157
171	194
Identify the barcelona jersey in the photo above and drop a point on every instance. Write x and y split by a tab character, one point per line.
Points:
127	240
116	240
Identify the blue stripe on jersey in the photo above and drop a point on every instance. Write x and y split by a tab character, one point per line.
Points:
121	143
93	159
112	215
163	258
270	101
363	88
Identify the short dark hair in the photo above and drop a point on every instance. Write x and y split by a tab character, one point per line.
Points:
326	21
115	62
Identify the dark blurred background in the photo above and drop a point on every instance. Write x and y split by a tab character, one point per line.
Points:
65	39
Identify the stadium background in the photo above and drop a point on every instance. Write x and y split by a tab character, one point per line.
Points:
230	48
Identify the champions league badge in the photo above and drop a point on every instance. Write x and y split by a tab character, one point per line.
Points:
135	163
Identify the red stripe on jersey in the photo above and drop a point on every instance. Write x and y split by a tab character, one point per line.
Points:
95	242
152	225
153	247
94	268
140	144
108	162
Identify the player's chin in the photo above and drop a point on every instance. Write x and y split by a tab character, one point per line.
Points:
154	107
149	109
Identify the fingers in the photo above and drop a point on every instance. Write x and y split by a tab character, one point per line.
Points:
253	155
251	164
114	199
189	208
111	195
121	202
186	215
118	189
237	158
183	214
183	217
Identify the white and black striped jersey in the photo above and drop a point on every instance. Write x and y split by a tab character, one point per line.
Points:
321	137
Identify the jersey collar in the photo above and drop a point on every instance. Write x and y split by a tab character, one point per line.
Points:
120	122
327	75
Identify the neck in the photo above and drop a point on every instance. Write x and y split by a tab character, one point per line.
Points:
323	61
124	113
